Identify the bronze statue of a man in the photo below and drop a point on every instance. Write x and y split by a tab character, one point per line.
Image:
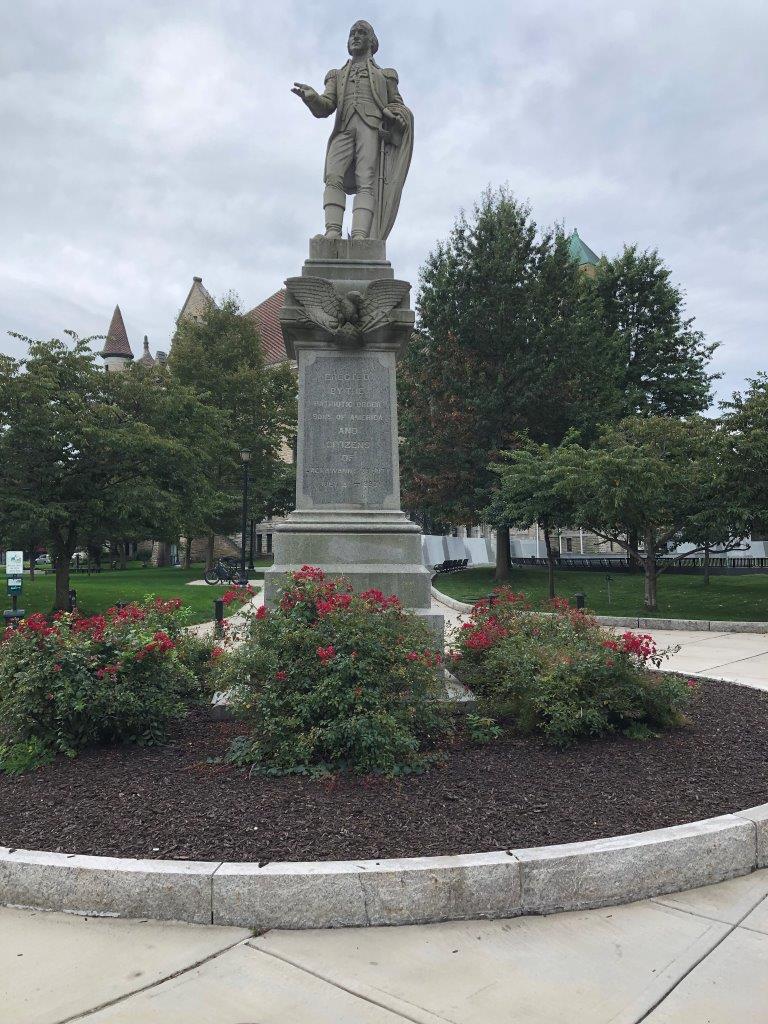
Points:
370	148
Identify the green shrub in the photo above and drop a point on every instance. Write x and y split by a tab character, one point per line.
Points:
76	681
330	681
562	675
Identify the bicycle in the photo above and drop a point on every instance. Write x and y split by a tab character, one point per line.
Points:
226	570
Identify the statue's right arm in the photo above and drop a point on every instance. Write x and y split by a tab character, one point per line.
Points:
325	104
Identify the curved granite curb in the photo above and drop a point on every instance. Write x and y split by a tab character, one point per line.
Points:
418	890
634	622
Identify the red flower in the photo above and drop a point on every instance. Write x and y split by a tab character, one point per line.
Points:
262	612
281	676
57	667
412	656
639	644
326	653
217	652
309	572
691	684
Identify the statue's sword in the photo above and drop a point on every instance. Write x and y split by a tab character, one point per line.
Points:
384	137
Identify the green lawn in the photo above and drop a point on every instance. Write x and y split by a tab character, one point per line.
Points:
99	591
680	597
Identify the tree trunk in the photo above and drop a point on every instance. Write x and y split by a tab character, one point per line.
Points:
550	559
651	570
635	564
187	558
61	566
503	559
32	563
209	551
124	554
706	564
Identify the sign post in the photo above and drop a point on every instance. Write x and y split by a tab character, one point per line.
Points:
14	570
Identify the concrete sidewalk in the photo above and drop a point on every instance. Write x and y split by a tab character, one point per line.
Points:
695	957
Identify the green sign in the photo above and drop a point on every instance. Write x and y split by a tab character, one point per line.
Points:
14	584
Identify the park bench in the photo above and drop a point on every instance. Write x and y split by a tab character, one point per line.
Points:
451	565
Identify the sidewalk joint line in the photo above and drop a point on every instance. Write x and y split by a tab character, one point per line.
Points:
152	984
731	929
365	996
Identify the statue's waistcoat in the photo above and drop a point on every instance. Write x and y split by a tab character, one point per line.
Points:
366	94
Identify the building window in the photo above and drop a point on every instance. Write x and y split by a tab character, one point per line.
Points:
569	545
269	543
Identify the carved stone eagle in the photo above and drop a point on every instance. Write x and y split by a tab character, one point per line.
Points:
348	318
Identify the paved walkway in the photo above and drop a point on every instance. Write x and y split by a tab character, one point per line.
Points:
699	957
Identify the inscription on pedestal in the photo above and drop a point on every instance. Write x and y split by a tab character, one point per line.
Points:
347	450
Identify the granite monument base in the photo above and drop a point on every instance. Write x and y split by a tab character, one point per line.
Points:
348	519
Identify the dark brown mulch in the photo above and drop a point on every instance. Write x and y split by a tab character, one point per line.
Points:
169	802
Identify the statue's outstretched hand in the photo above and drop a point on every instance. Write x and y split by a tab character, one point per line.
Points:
304	91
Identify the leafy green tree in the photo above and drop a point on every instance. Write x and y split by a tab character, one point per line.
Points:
646	477
530	493
506	346
87	454
745	428
723	520
219	355
659	360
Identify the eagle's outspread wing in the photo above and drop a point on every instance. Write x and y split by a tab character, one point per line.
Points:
380	298
319	301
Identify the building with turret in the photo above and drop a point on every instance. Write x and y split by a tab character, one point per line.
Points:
117	349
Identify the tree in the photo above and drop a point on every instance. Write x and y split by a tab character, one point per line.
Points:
646	477
506	346
220	357
87	454
659	360
530	492
745	427
722	521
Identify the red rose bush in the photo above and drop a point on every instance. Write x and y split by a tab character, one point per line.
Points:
74	681
330	680
561	674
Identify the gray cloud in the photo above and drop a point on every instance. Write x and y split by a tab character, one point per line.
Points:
147	142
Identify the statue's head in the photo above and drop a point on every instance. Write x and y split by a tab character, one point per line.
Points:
362	38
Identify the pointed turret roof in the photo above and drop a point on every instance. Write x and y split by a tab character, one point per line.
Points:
146	359
117	343
580	251
267	316
197	301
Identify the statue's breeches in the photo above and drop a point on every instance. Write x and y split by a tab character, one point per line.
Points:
357	142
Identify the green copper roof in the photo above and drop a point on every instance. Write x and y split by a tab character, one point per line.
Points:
580	251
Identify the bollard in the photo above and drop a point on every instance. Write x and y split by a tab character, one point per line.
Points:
218	615
581	601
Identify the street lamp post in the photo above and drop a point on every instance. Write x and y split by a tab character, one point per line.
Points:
251	566
245	457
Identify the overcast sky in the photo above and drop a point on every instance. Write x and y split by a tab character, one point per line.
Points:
145	142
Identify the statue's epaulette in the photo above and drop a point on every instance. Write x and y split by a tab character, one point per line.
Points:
331	74
391	73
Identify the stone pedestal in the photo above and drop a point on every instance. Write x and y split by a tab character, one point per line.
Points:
348	519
